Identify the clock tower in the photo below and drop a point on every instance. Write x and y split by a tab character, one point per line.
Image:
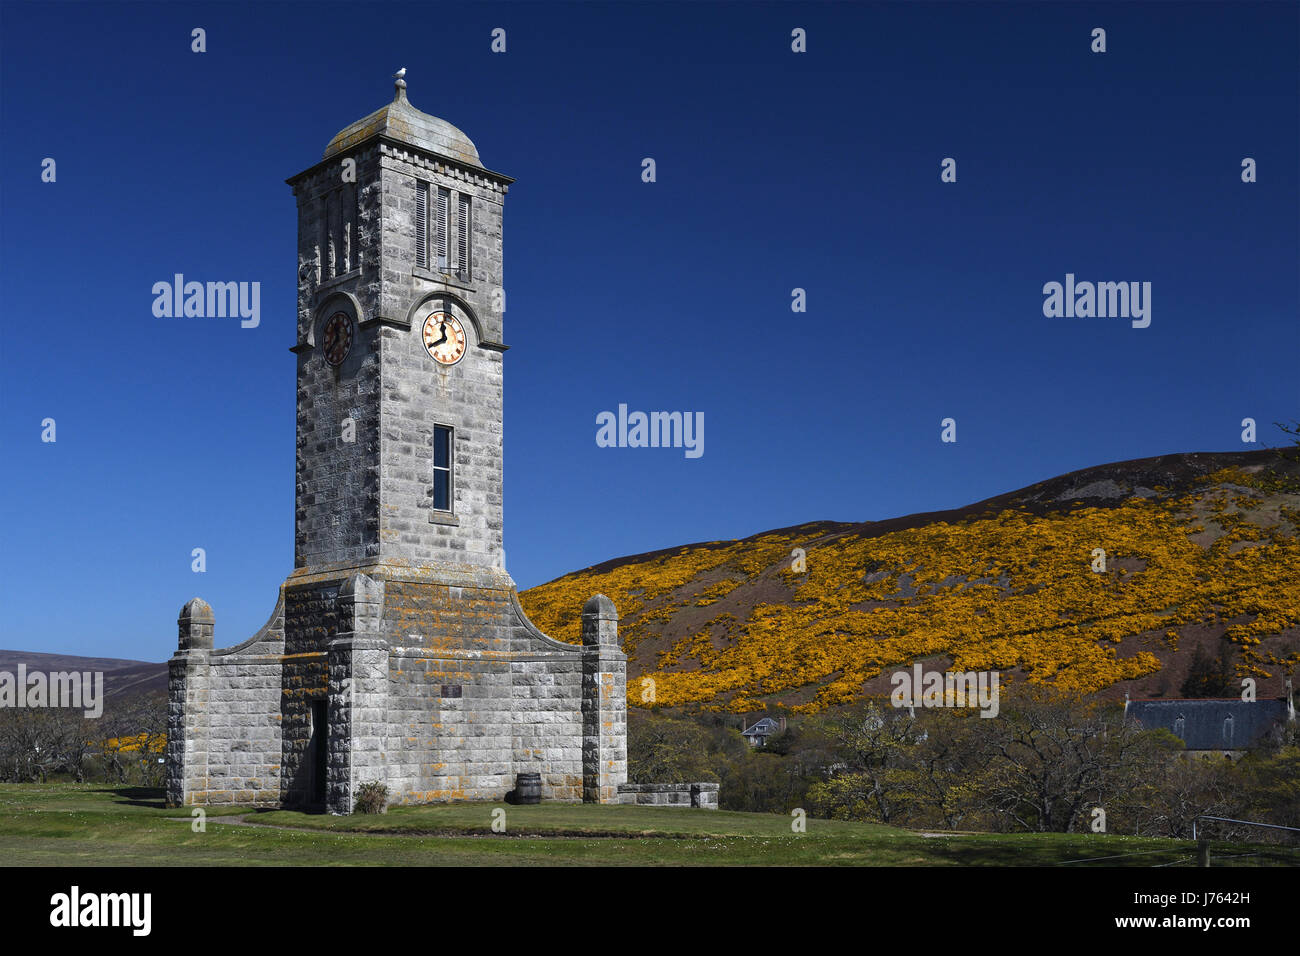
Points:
400	308
398	652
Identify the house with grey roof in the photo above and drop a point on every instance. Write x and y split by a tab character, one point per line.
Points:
758	733
1207	726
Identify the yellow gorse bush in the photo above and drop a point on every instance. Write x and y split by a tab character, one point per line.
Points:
143	743
1001	591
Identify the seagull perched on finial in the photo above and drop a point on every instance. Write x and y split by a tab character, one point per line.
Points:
400	73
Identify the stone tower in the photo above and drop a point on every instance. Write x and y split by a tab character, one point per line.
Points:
398	651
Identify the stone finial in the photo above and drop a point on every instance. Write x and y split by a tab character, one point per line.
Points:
196	624
399	85
599	621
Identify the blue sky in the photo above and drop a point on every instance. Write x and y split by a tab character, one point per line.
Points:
775	170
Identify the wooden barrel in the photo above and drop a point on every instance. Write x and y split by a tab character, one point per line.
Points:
528	788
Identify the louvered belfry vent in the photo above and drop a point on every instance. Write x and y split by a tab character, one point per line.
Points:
440	241
422	224
463	236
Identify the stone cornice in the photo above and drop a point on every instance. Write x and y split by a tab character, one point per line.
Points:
454	169
394	321
445	573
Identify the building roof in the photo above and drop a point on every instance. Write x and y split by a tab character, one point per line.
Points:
1211	723
762	728
401	121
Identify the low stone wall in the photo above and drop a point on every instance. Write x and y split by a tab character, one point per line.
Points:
224	739
703	796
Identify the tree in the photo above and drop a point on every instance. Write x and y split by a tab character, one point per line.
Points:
1053	758
940	782
872	746
1186	787
1269	781
1211	677
37	742
138	729
1293	432
668	750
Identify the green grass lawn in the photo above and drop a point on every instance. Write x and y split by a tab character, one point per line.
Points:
96	824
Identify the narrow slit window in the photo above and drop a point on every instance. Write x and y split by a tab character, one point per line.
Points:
422	224
463	236
329	236
323	245
350	239
442	466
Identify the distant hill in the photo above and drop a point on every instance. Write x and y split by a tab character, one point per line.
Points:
123	679
1198	547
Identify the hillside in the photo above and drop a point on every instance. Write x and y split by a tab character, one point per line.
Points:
1199	547
124	680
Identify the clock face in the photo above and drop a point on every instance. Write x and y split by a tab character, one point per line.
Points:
444	337
338	338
